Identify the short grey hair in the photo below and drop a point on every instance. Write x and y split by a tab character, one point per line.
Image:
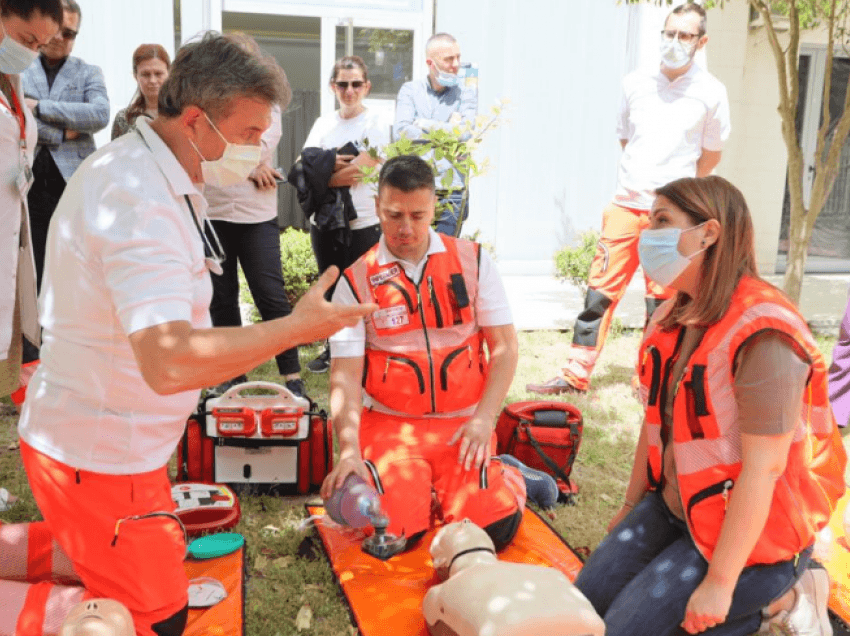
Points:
439	39
71	6
211	72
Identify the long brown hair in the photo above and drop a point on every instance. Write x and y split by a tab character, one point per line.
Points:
143	53
726	261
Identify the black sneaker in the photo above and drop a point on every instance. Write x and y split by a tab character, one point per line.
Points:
222	388
296	386
322	363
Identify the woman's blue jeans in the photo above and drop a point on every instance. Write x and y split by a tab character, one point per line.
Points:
642	574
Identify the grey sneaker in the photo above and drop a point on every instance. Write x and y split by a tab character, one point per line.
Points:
296	386
322	362
809	616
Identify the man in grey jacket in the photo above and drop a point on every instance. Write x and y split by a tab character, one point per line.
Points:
68	98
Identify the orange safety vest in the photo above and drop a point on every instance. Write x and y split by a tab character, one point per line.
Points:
424	349
706	438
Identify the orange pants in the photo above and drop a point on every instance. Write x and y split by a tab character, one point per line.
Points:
615	262
410	456
99	522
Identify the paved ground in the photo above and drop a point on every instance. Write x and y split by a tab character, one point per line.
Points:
541	302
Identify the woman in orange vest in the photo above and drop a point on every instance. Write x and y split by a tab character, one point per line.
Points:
739	462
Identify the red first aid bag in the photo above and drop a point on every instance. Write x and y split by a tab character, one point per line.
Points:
543	435
205	507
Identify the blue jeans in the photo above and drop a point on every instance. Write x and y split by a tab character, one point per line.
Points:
448	222
642	574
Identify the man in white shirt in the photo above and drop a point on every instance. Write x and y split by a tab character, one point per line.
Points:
673	123
127	340
414	395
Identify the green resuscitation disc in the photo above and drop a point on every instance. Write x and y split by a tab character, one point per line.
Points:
215	545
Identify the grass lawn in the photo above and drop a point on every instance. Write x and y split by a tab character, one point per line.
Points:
285	578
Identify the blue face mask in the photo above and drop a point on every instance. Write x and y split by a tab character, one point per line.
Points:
447	80
660	256
14	56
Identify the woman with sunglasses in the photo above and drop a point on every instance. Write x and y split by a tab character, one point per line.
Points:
357	124
739	462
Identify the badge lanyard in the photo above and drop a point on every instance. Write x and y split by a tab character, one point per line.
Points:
25	178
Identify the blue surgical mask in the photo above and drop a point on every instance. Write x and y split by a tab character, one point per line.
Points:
445	79
14	56
660	256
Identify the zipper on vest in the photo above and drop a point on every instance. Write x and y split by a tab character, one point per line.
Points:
427	350
444	369
402	290
655	382
720	488
437	313
411	364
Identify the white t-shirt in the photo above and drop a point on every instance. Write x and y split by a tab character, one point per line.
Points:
492	308
332	131
667	125
123	254
244	202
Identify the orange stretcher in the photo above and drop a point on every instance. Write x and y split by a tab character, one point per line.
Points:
837	563
227	618
385	597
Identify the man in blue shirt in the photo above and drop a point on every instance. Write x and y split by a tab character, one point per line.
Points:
440	101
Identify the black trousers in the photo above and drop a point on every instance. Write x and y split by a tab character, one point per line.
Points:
329	251
47	188
256	247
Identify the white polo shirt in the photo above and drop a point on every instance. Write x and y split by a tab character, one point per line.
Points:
667	125
123	254
492	308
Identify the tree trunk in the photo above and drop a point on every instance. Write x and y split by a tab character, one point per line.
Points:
799	234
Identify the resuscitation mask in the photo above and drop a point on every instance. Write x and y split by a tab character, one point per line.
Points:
14	56
234	165
660	256
445	79
675	54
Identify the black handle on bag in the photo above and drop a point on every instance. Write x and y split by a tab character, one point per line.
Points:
574	441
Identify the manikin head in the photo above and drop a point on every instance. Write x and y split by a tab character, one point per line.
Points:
98	617
458	545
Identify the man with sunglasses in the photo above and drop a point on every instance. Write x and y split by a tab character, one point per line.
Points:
68	98
441	101
673	123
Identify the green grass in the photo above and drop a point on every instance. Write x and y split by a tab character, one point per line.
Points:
287	573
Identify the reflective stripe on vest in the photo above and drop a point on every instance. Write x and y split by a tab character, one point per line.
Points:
424	349
706	438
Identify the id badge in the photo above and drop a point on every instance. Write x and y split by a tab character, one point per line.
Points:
391	317
25	177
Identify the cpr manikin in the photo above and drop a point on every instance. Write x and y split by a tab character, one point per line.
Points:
98	617
484	596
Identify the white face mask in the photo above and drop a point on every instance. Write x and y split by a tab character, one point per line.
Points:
14	56
443	78
234	165
660	256
675	55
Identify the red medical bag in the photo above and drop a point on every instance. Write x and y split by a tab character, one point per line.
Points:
246	437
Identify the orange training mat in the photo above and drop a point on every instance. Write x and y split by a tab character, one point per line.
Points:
385	597
228	617
838	564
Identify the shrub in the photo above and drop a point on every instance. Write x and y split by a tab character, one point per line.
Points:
297	262
572	264
298	265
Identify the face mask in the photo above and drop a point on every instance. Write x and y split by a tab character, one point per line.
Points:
234	165
14	56
445	79
660	256
675	55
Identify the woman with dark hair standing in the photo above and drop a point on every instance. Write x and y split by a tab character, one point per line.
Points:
26	26
739	462
150	69
352	122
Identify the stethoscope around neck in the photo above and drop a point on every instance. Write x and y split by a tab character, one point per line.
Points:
214	254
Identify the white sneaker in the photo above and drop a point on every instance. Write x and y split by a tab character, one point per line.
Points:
809	615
